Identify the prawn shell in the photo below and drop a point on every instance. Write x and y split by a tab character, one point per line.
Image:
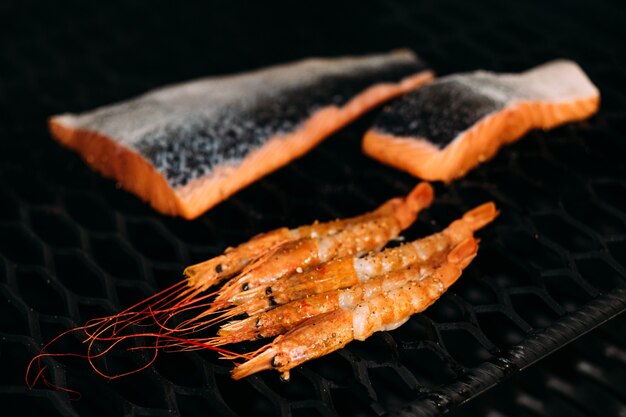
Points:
355	239
328	332
348	271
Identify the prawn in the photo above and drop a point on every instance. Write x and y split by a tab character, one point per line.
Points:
331	331
357	238
285	317
189	296
348	271
215	270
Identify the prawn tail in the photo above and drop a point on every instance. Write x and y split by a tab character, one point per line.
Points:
464	252
481	216
418	199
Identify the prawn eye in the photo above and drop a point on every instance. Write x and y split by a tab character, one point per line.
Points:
219	268
268	290
245	287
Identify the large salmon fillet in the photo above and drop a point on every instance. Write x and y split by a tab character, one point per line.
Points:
186	147
445	128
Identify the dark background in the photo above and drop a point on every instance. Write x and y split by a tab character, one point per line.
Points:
73	246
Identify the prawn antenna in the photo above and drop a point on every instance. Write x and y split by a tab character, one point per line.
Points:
159	322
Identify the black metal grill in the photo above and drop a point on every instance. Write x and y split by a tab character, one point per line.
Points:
583	379
73	246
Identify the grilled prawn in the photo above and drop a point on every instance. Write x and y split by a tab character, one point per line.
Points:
347	271
359	237
154	319
208	273
283	318
331	331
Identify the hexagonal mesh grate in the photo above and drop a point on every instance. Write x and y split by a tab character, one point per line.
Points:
585	378
72	246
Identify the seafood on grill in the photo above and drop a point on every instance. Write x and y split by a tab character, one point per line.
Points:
319	287
393	284
284	317
305	247
356	238
358	314
444	129
191	297
346	271
401	211
320	311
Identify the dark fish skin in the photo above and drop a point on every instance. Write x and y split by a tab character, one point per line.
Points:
445	128
187	130
438	111
186	147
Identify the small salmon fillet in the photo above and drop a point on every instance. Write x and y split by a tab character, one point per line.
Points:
186	147
446	128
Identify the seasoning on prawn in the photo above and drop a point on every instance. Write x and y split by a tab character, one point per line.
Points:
215	270
359	237
347	271
285	317
190	297
331	331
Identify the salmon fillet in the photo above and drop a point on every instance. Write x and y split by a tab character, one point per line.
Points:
446	128
185	148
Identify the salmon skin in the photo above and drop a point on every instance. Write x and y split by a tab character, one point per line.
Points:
186	147
444	129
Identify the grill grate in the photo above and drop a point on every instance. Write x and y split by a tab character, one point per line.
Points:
73	247
583	379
